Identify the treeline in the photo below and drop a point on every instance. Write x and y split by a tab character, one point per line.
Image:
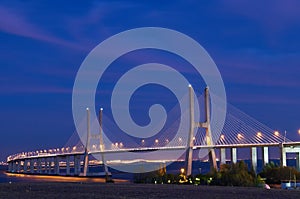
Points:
235	174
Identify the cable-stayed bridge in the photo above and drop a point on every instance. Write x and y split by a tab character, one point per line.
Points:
195	141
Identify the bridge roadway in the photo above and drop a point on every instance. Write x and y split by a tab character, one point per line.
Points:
51	163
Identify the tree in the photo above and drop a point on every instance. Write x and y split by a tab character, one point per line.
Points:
235	174
275	174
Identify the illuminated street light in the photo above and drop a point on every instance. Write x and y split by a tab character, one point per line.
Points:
240	136
156	141
222	137
299	131
276	133
259	134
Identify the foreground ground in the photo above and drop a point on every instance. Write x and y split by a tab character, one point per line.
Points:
101	190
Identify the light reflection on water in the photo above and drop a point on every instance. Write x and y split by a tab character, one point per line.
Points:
10	177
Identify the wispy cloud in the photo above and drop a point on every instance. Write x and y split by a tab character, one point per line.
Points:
271	18
14	89
251	98
13	21
260	68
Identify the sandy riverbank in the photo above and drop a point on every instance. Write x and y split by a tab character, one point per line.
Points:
102	190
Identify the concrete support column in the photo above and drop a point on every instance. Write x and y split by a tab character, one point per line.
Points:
42	165
49	162
298	161
76	164
233	155
19	166
56	165
31	165
222	156
25	166
67	165
282	155
46	166
265	155
254	158
39	165
14	166
10	166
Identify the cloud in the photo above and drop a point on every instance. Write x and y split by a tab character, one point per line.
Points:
15	89
272	18
274	99
12	21
260	68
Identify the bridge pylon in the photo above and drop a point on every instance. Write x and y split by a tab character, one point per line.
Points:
193	125
86	150
98	137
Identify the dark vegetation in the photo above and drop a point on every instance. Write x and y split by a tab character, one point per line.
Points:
274	174
236	174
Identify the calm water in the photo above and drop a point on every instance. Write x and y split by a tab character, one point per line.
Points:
174	168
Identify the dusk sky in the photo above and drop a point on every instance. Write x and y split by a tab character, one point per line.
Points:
256	47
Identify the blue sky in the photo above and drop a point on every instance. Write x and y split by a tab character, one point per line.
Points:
256	47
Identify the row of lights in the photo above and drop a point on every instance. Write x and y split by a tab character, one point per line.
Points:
156	141
258	134
74	148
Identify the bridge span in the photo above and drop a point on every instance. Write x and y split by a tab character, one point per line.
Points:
72	163
239	131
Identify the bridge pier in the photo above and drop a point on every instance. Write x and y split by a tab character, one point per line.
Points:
50	165
282	155
10	166
265	155
19	166
291	149
39	165
46	166
77	165
298	161
56	165
25	166
254	158
31	169
233	155
222	156
15	166
68	165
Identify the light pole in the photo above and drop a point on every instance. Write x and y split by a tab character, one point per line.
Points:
284	136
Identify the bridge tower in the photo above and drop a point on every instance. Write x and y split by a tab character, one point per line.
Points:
101	145
193	125
86	150
102	148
